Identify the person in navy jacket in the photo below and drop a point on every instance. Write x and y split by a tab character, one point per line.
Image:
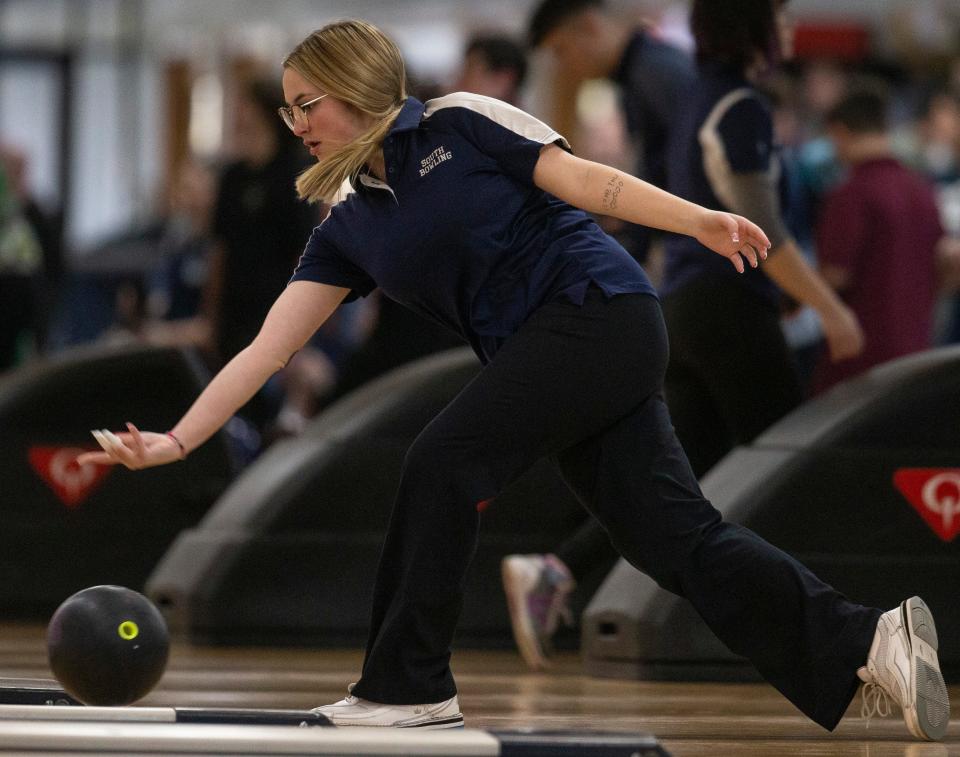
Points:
471	212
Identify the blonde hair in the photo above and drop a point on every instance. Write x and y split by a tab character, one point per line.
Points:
358	64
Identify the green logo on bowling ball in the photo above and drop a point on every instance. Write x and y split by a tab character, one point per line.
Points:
128	630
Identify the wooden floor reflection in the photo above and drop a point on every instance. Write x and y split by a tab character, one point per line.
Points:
690	719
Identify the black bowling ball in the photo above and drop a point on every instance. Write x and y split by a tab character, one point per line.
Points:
107	645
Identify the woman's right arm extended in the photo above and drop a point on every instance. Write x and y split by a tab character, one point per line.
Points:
299	311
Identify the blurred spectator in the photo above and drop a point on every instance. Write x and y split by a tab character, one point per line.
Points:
877	239
722	155
822	84
495	66
46	230
259	228
587	41
21	262
932	145
175	289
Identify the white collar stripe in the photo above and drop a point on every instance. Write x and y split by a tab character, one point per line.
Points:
501	113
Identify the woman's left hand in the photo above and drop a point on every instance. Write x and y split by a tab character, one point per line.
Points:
734	237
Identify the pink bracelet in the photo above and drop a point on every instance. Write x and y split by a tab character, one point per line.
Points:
183	450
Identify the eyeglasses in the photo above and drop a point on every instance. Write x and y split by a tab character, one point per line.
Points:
297	113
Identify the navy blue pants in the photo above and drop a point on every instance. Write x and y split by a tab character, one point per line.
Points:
582	385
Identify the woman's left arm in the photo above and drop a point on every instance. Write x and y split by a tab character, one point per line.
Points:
601	189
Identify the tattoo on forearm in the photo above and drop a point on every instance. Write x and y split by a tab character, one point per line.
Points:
611	193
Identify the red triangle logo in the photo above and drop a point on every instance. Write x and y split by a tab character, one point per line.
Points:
58	468
935	494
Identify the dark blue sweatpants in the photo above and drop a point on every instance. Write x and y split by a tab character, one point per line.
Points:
582	385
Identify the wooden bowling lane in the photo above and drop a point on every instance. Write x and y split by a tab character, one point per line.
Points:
689	719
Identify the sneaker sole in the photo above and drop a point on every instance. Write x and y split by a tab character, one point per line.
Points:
523	633
454	721
931	715
436	725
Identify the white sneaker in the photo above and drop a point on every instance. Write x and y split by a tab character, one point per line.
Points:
537	589
902	663
354	711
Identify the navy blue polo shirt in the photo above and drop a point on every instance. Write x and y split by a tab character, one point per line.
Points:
723	128
459	232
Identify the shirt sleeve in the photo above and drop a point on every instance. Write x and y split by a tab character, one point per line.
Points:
746	131
753	196
323	263
512	137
